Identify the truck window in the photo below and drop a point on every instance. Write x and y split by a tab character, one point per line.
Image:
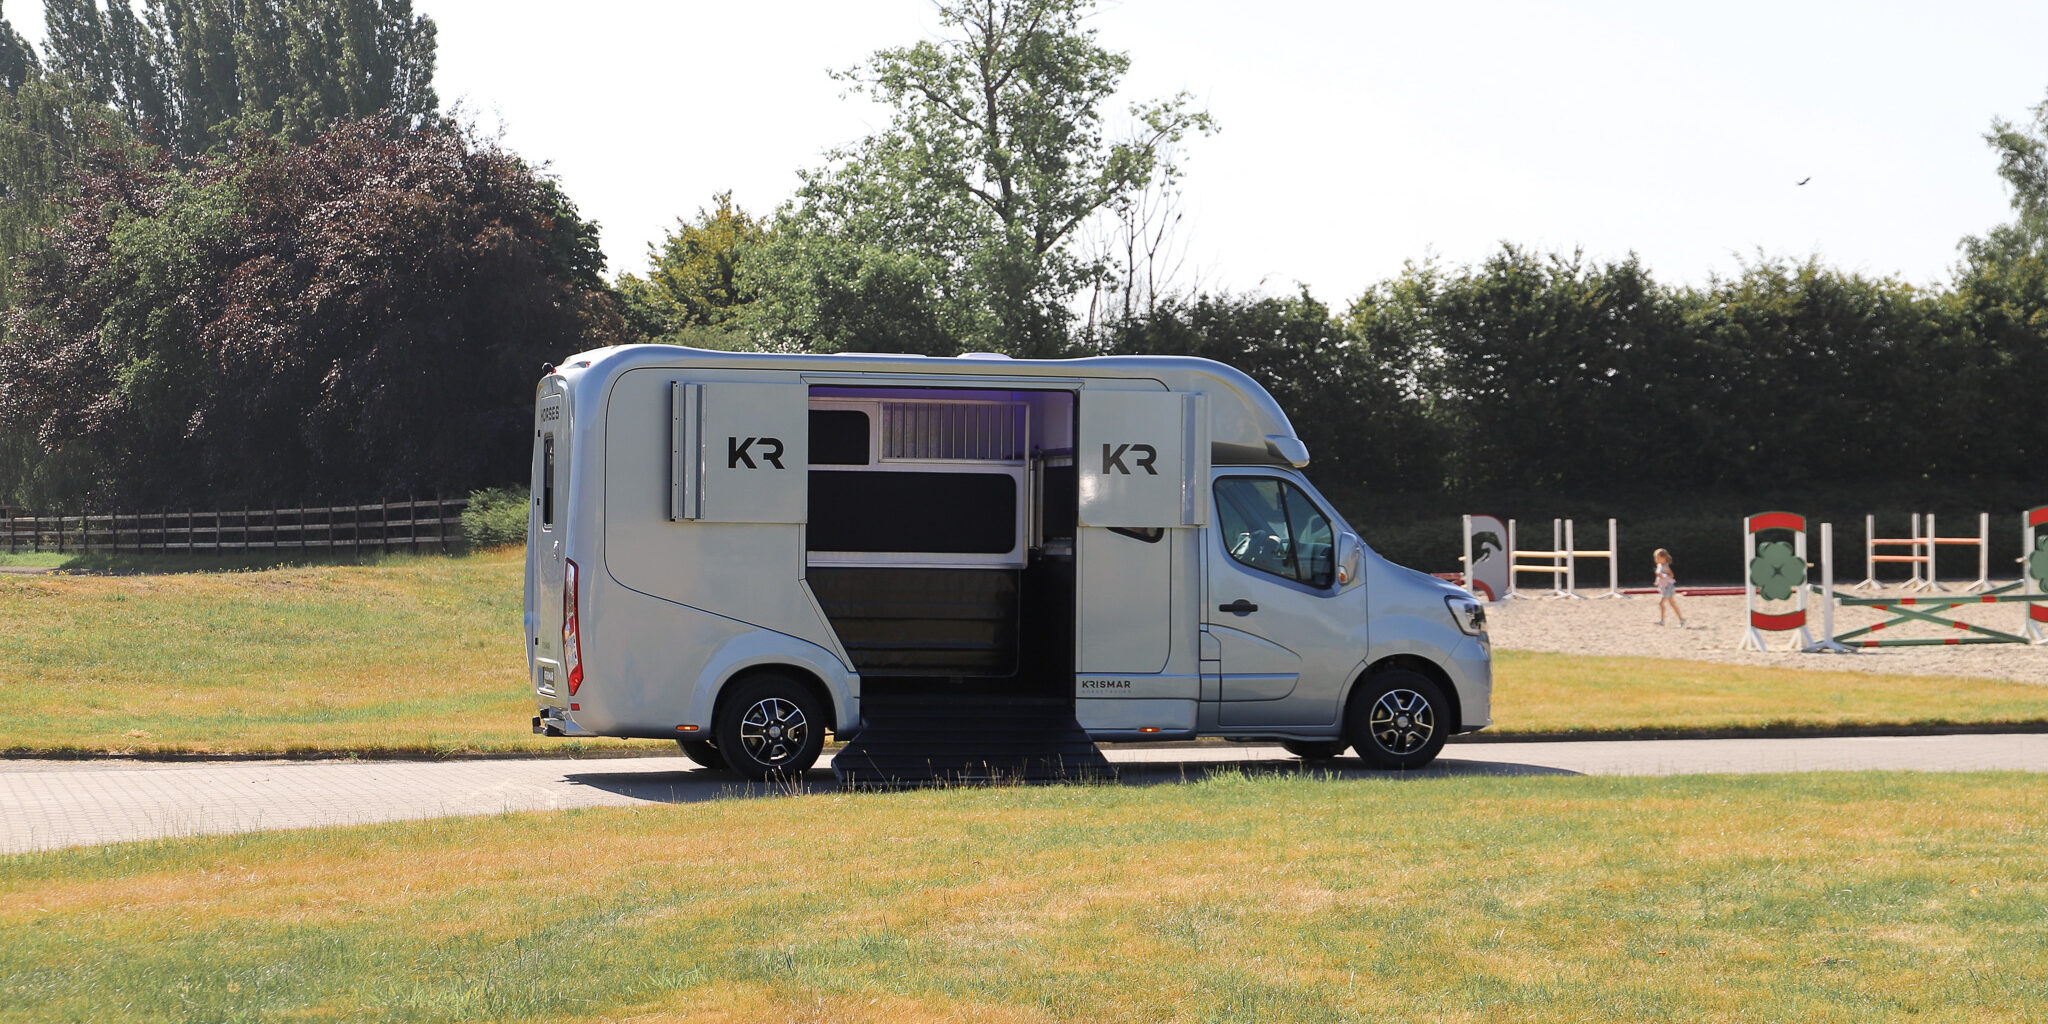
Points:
839	437
547	482
1271	525
911	513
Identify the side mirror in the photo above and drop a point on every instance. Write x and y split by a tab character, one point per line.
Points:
1349	557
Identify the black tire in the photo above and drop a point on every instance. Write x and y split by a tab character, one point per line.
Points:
1315	750
704	753
1397	719
770	728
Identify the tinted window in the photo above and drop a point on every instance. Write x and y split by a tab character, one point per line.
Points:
547	482
1271	525
839	437
942	513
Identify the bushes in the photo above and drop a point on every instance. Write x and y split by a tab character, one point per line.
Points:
495	517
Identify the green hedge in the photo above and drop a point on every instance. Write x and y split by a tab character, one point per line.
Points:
495	517
1703	530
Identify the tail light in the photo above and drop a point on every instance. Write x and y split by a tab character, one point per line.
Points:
572	634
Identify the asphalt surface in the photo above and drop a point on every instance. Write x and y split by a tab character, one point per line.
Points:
53	804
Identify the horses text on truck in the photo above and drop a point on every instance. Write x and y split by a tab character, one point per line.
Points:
963	566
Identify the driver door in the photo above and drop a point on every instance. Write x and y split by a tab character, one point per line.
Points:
1285	634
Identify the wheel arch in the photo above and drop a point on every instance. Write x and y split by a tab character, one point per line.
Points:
1420	666
803	676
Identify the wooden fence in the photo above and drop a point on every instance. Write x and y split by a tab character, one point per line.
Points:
382	527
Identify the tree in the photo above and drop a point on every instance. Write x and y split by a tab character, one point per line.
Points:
17	58
45	123
964	209
1139	254
190	70
2023	163
692	277
1347	404
364	314
2001	305
1522	340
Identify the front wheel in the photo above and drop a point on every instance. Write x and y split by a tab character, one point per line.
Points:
1398	719
704	753
771	728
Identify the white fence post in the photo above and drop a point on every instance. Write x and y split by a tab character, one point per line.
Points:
1827	642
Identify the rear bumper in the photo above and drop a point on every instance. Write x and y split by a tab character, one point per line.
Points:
553	722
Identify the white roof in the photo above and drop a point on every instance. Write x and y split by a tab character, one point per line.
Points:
1246	426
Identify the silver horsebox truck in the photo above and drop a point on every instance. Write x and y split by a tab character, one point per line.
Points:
964	567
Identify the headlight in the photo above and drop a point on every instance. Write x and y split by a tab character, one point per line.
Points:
1470	615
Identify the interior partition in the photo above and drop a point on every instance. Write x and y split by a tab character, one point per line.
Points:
940	536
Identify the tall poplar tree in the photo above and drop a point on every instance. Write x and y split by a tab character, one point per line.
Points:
45	122
185	69
17	59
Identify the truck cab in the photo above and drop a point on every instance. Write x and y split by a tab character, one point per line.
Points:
743	552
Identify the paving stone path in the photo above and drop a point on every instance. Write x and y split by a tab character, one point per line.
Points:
52	804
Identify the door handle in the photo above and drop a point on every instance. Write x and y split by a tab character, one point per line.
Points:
1238	607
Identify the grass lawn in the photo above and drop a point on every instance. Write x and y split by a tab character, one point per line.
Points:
406	653
1822	898
1563	693
223	561
422	655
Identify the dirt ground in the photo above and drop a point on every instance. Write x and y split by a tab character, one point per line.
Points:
1714	627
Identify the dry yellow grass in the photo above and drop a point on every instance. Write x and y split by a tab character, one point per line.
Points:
1817	898
423	656
1562	693
408	654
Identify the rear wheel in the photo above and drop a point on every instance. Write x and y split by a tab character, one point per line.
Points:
1314	750
704	753
771	728
1398	719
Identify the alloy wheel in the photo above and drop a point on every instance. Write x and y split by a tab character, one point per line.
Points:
773	731
1402	721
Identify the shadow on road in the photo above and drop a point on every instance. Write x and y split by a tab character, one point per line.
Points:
700	785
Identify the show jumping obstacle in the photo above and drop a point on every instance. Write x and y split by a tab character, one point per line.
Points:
1982	542
1760	622
1563	561
1922	548
2027	590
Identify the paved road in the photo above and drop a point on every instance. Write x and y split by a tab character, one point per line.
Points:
51	804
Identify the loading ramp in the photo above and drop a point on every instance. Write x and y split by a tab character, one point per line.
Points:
938	732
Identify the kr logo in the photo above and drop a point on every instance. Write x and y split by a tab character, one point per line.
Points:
738	450
1142	456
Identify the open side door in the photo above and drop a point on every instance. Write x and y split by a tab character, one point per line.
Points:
1143	459
739	453
1142	467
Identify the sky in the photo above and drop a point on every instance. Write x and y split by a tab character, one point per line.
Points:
1355	137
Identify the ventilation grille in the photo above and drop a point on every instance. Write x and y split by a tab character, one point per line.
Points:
979	431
